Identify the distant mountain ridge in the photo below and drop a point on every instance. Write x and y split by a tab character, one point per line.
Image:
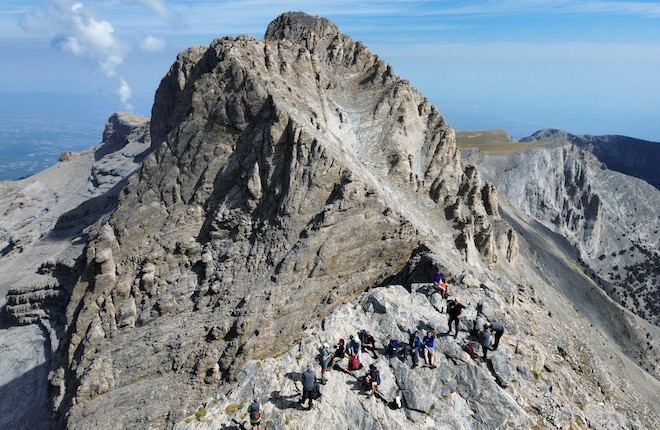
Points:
634	157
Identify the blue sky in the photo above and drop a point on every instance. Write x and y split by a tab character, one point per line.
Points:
588	67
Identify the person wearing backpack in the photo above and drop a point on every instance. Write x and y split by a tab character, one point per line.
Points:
498	329
256	410
309	386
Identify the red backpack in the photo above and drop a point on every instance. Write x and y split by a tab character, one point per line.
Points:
354	363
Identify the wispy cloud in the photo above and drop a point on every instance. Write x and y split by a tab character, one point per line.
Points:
152	44
161	9
125	94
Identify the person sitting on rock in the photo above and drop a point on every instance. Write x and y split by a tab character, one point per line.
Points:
429	349
355	347
436	280
372	379
339	354
455	310
414	346
309	386
256	410
443	288
368	342
325	358
392	348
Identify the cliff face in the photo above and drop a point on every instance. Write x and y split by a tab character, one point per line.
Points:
41	236
633	157
611	218
288	175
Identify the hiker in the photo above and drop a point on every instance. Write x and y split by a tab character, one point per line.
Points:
353	363
324	359
309	386
355	346
486	338
429	350
256	410
455	310
443	288
339	354
436	279
498	329
368	342
392	349
414	345
372	379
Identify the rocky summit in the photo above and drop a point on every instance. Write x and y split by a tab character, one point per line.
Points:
294	191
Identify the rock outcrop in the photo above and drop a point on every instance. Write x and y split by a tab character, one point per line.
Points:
534	379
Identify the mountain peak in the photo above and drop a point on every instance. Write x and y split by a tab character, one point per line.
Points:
298	26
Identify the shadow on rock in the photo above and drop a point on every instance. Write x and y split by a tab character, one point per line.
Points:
285	402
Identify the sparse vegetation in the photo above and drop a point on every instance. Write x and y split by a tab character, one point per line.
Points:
233	408
492	142
201	413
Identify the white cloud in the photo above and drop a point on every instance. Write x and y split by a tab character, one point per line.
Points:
125	93
78	32
152	43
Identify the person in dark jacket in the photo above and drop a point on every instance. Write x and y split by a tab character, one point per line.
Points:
414	346
498	329
455	310
309	386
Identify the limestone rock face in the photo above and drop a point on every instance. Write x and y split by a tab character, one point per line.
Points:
633	157
611	218
287	175
41	236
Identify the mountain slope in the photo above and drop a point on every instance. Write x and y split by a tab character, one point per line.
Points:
611	218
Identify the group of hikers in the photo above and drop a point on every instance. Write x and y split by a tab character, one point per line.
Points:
488	334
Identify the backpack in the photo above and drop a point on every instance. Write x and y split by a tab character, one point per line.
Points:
255	414
317	392
468	348
354	363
